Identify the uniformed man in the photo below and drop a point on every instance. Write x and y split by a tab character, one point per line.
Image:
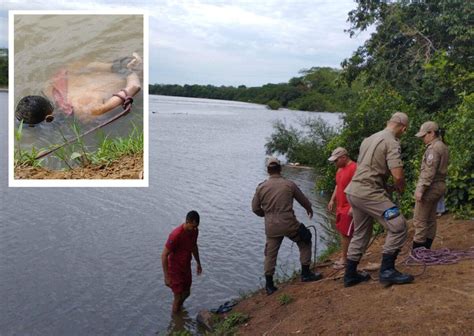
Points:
273	200
431	185
379	157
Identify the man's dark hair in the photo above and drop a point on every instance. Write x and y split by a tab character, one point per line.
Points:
192	216
274	169
34	109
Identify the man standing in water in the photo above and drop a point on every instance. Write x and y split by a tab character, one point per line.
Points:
273	200
176	259
379	157
344	223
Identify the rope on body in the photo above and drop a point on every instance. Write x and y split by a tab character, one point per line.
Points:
126	105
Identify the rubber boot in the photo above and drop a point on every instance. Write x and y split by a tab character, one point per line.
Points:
269	286
389	275
428	243
351	276
417	245
308	276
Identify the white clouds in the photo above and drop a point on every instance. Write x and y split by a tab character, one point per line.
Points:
235	41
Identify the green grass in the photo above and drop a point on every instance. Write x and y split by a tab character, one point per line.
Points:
111	149
285	299
76	154
332	248
229	325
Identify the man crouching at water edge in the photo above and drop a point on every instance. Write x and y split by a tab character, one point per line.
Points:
176	259
273	200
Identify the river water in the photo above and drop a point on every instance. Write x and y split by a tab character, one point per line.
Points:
44	44
86	261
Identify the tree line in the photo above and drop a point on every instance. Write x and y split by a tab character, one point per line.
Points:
317	89
3	67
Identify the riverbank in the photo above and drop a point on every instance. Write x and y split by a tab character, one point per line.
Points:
439	302
126	167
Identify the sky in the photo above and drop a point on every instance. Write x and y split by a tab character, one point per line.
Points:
232	42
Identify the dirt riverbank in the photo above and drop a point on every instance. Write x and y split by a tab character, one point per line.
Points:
439	302
127	167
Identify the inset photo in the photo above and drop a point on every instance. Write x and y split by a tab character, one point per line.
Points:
78	98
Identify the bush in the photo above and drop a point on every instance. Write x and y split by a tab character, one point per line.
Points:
461	168
273	104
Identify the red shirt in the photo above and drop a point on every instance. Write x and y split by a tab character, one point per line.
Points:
181	243
343	178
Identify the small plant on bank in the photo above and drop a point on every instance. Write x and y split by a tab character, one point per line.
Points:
285	299
228	326
181	333
24	158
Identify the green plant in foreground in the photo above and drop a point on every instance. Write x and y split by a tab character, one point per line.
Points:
24	158
285	299
112	149
181	333
228	326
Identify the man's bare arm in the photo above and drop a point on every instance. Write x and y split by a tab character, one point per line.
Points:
398	179
132	88
198	261
164	264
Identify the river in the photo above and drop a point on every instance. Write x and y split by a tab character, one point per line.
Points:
86	261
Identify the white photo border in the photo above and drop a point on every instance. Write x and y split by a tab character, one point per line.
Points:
12	182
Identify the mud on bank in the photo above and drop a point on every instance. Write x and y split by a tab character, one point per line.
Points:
439	302
127	167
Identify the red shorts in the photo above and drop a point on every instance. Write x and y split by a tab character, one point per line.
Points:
344	223
180	282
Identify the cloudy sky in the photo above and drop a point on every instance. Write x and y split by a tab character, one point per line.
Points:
229	42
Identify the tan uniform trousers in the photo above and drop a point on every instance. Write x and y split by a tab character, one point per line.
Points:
363	211
273	245
424	219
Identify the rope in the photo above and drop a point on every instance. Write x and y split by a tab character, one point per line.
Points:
126	105
315	241
444	256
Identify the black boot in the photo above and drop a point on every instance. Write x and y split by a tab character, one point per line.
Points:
351	276
308	276
428	243
389	275
269	286
417	245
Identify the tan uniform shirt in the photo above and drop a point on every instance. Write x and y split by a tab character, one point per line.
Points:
434	166
378	154
273	200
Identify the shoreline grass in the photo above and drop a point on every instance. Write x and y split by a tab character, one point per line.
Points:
77	155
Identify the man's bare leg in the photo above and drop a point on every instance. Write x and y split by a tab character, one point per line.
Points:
179	300
345	246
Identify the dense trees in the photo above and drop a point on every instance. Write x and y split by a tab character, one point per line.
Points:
418	61
317	89
3	67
